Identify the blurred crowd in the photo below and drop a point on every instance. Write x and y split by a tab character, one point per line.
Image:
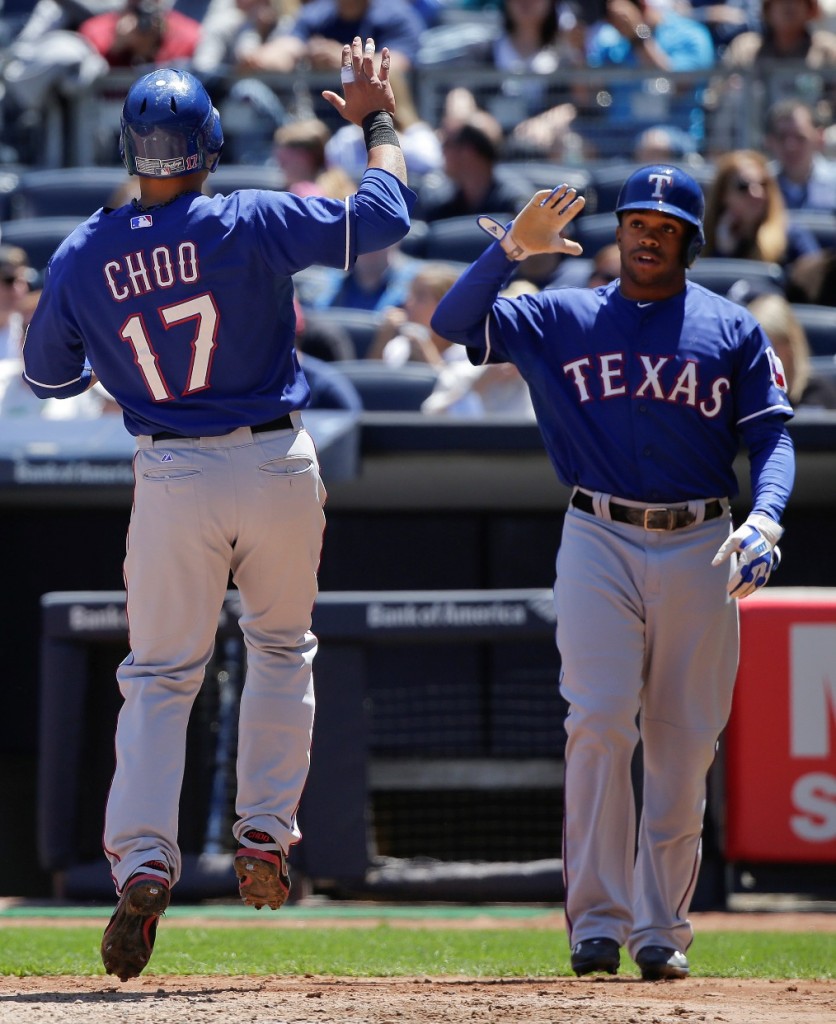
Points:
770	209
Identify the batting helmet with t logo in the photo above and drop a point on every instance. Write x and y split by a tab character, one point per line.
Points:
668	190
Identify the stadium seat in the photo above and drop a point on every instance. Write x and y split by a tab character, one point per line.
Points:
458	239
819	323
545	174
361	324
824	366
8	183
415	242
38	236
594	231
719	273
820	223
385	388
454	41
64	191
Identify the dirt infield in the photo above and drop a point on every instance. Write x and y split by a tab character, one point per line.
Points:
328	1000
321	1000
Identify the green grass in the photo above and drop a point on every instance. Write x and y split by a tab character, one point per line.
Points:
383	950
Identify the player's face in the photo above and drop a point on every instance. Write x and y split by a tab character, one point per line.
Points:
651	245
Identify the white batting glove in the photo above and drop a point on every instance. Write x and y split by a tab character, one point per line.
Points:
537	227
758	554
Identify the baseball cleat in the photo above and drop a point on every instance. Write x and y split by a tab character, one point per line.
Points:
263	878
660	962
595	955
128	940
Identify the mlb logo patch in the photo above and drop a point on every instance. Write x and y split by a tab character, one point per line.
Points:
144	220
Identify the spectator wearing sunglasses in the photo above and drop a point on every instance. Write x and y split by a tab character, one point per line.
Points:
746	216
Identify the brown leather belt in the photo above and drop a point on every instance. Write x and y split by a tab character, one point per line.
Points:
654	517
282	423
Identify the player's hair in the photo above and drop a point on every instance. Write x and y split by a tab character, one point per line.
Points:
769	242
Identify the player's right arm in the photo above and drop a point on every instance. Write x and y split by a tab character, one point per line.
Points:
462	314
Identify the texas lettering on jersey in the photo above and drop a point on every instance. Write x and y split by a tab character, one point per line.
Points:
680	384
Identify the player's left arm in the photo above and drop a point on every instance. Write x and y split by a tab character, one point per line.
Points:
755	542
54	361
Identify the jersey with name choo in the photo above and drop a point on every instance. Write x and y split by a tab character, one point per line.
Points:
185	312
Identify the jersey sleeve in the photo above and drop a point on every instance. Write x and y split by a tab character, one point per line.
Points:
464	313
772	465
302	231
761	385
54	363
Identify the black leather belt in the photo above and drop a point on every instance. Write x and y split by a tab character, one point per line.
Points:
282	423
652	518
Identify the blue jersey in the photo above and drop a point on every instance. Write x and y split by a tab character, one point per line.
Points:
185	312
646	401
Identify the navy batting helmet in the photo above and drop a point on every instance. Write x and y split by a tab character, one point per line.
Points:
668	190
169	126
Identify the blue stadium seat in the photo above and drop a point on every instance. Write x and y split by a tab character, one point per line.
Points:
719	273
64	191
819	323
594	231
39	236
385	388
8	183
457	239
415	242
361	324
820	223
545	174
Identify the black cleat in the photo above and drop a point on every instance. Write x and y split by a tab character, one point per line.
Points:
595	955
128	940
660	962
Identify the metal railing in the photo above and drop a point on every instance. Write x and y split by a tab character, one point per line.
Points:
717	110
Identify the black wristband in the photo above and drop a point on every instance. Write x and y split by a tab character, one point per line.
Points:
379	130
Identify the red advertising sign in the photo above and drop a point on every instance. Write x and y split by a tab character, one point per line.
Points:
781	738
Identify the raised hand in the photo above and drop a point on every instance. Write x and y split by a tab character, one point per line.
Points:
538	227
365	90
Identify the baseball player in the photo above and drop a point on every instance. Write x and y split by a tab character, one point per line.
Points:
183	306
643	390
